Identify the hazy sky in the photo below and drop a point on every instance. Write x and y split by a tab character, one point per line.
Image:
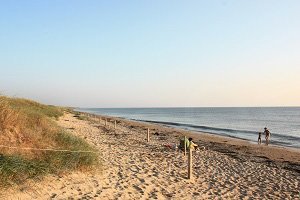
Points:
151	53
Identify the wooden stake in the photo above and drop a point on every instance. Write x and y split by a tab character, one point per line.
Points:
184	145
148	135
190	164
115	124
105	121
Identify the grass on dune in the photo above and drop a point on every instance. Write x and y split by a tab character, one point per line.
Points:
81	117
25	123
32	106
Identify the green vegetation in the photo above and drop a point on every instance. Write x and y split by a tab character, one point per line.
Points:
25	123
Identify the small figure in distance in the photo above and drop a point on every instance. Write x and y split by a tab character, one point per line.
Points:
259	138
192	145
268	135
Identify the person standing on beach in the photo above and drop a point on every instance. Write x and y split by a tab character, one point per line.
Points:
268	135
259	137
184	142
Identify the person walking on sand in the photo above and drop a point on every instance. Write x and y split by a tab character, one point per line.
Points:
267	135
259	138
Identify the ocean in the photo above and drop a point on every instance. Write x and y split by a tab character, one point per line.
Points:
237	122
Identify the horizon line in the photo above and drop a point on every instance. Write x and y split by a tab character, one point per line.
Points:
187	107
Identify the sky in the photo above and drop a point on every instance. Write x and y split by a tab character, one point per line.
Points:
151	53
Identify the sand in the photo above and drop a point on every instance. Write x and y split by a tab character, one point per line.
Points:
223	168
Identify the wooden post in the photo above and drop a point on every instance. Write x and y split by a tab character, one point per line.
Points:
105	121
115	124
190	164
184	145
148	135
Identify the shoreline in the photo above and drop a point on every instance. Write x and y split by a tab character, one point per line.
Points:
165	124
281	156
289	140
133	168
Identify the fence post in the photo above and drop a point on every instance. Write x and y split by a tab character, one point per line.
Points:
115	124
105	122
190	164
148	135
184	145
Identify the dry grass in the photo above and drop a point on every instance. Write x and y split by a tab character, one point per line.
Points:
9	118
25	123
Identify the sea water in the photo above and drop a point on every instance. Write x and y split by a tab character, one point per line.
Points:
243	122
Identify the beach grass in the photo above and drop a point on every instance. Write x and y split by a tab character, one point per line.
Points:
79	116
28	124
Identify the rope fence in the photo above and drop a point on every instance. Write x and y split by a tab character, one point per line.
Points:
176	154
38	149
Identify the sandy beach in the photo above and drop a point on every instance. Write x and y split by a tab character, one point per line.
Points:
223	168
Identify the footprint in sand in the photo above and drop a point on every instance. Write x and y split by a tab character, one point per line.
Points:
134	168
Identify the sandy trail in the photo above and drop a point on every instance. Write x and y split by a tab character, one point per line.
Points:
136	169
